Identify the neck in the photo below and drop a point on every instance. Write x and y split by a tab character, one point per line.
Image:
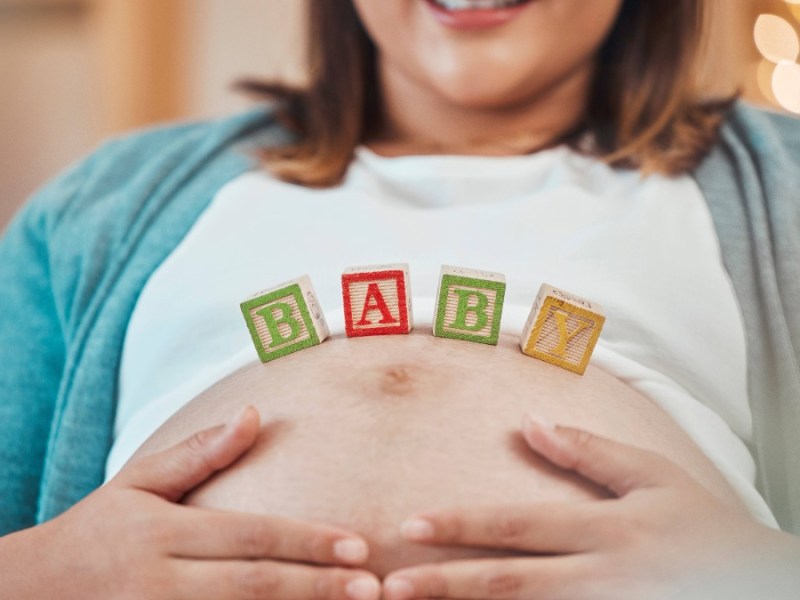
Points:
416	121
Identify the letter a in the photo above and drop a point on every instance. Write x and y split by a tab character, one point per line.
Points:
374	295
274	322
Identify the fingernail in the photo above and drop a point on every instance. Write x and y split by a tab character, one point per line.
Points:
237	419
398	589
539	422
351	550
363	588
416	529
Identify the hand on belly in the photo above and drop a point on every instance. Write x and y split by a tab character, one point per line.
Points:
361	433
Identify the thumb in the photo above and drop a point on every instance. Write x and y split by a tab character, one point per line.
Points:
618	467
174	472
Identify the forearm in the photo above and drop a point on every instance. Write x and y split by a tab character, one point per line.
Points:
26	571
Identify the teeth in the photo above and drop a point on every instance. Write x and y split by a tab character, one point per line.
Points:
476	4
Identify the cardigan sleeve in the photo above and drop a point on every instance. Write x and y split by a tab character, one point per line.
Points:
72	265
32	349
751	182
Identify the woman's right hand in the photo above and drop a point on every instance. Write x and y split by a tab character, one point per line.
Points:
131	540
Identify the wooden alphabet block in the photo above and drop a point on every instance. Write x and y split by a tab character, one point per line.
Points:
285	319
377	300
469	305
562	329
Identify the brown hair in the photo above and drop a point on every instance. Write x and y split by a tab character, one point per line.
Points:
643	111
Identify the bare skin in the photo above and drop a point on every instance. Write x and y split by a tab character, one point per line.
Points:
510	90
131	540
365	431
136	542
662	537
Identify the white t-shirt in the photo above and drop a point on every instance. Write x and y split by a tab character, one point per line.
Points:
643	248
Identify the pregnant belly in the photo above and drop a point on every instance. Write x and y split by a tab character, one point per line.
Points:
364	432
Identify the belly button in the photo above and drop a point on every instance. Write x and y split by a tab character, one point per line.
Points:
396	381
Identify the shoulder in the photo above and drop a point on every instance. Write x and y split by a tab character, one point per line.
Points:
754	159
747	113
193	143
149	144
126	169
762	130
156	180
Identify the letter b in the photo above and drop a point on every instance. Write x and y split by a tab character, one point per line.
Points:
465	306
469	305
274	321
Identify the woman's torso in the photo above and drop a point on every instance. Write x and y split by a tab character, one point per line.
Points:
645	249
364	432
353	444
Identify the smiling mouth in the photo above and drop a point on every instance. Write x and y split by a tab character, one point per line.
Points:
476	15
463	5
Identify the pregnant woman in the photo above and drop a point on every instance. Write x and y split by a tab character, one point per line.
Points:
555	141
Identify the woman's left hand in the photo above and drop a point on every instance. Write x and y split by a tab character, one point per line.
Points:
663	535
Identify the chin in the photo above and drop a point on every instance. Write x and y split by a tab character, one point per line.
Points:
485	95
481	102
494	78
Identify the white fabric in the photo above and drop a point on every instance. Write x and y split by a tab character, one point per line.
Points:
643	248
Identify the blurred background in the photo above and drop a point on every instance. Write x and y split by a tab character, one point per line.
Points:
75	72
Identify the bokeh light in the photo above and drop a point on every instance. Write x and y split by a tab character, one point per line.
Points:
778	74
786	85
776	39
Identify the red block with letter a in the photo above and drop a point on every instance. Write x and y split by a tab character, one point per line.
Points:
377	300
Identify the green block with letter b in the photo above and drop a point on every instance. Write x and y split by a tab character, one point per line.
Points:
469	305
285	319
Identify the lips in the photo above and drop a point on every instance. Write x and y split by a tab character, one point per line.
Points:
475	14
455	5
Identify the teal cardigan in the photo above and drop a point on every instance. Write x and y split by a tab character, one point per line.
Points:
75	259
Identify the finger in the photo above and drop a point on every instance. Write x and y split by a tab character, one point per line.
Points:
618	467
487	579
260	580
177	470
201	533
542	528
